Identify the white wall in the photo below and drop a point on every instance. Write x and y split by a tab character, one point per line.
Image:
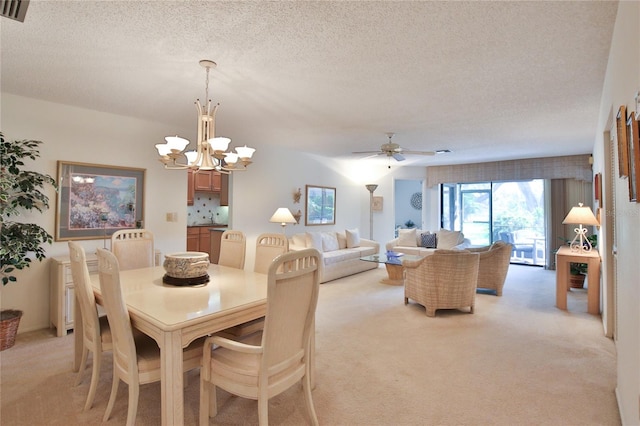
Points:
404	211
622	81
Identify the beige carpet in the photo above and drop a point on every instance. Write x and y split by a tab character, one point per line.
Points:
517	361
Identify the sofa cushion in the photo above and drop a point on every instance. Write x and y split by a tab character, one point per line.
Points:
314	240
337	256
353	238
299	240
448	239
342	240
329	241
407	237
428	240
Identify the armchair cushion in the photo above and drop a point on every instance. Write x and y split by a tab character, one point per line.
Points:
407	237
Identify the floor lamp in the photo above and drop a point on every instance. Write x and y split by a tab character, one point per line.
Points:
371	188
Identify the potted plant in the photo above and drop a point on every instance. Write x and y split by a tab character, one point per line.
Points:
20	191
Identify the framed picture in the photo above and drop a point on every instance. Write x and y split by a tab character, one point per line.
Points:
376	205
320	205
597	188
634	157
623	150
95	200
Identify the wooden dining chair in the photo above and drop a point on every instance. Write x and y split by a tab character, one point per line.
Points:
135	362
267	363
232	249
268	247
96	334
133	248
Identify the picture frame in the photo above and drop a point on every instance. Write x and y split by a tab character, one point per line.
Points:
95	200
376	204
597	188
320	205
634	157
623	150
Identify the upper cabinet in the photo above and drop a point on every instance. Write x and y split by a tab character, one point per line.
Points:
208	181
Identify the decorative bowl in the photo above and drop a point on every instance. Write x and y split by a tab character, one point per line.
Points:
189	264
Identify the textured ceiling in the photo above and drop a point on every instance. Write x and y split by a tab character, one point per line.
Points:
487	80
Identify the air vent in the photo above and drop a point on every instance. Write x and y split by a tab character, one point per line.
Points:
14	9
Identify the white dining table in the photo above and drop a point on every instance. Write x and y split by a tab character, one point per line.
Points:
175	316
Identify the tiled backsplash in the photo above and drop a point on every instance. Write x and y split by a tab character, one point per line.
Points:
205	207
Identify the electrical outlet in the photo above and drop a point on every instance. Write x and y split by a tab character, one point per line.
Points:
172	217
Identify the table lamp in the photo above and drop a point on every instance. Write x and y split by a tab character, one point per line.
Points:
580	215
283	216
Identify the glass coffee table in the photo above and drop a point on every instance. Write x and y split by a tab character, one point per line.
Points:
395	271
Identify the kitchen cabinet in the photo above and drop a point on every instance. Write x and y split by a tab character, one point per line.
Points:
190	189
207	181
199	239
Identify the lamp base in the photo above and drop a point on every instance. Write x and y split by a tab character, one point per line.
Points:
580	243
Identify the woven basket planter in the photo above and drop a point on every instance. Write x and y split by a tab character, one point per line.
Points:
9	322
576	281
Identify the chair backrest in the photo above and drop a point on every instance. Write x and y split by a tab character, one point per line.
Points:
268	247
292	296
133	248
232	249
124	348
84	292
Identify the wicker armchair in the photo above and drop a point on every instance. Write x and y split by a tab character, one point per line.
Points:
494	265
444	280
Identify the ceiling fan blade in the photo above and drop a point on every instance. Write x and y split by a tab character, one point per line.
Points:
366	152
397	156
419	152
371	156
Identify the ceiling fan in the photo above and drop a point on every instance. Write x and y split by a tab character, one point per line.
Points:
392	149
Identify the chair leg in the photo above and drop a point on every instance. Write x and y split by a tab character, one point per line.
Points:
134	392
406	300
263	410
95	377
112	398
83	364
204	402
471	311
311	410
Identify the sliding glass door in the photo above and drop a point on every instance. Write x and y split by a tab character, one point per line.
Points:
491	211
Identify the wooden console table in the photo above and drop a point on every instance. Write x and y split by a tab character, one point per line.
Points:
564	257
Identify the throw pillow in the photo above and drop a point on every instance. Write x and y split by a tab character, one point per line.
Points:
299	240
428	240
407	237
314	240
447	239
342	240
329	241
353	238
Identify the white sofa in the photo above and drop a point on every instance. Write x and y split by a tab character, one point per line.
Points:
340	252
410	241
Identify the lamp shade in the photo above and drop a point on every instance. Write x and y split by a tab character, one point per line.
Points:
581	215
283	216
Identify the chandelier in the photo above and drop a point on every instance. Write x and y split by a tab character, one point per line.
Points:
210	153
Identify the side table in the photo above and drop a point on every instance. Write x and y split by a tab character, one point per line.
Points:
564	256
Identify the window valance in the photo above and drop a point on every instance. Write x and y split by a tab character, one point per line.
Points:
566	167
